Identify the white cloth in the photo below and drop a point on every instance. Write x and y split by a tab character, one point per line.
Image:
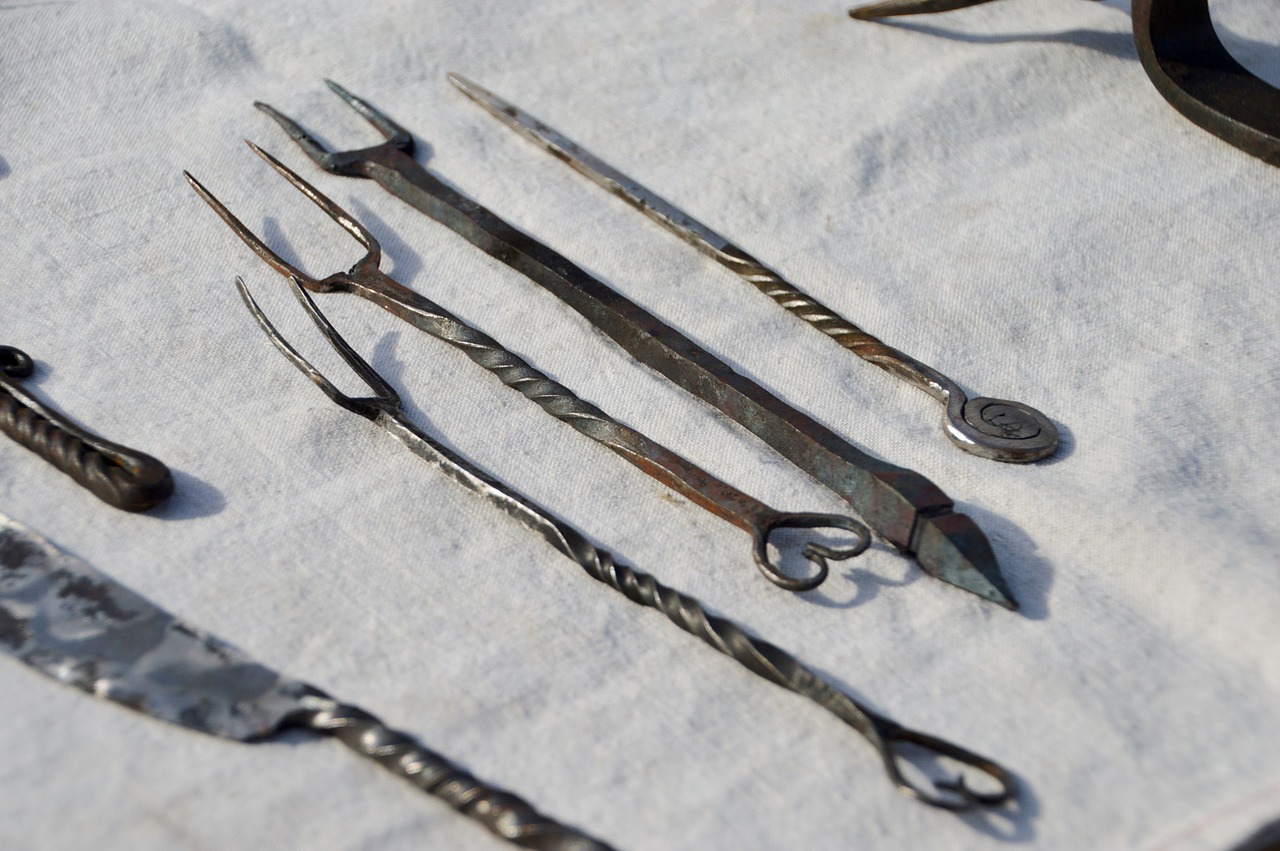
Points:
999	192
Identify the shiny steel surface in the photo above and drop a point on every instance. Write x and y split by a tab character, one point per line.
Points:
904	507
685	477
1188	63
117	475
73	623
990	428
894	743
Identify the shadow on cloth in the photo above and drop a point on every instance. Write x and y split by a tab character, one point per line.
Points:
405	263
1029	576
1119	45
192	498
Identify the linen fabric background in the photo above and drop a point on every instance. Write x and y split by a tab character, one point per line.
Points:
999	192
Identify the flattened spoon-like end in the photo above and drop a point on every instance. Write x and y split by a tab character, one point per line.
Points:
1001	430
952	548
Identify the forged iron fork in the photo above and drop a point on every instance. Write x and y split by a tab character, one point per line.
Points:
762	658
367	280
1185	59
901	505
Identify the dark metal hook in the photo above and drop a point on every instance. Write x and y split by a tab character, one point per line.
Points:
1185	60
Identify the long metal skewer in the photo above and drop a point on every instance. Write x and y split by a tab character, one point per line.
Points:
117	475
901	505
718	497
990	428
1185	59
762	658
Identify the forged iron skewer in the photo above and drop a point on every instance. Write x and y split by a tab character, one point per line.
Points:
117	475
83	628
1188	63
901	505
722	499
762	658
989	428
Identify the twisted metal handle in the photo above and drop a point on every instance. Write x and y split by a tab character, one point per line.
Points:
678	473
118	475
504	814
759	656
781	668
999	429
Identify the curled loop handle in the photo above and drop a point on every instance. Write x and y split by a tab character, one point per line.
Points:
15	363
815	552
122	477
954	794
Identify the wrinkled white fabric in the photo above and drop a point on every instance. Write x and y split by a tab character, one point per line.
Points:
999	192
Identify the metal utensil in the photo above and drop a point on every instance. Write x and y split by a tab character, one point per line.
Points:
73	623
901	505
115	474
990	428
1185	59
683	476
383	408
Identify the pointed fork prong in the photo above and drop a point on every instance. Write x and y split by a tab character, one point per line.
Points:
309	144
385	398
275	261
339	215
396	136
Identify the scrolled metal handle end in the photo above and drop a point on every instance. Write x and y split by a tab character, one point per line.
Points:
948	794
15	363
815	552
1000	429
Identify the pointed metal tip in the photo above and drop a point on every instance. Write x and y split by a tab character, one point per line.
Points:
479	94
952	548
896	8
463	84
865	13
204	194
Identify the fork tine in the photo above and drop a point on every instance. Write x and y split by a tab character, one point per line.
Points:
339	215
310	146
384	399
275	261
395	135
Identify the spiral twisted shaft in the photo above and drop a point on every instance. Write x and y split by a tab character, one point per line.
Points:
501	812
120	477
759	656
673	470
848	335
